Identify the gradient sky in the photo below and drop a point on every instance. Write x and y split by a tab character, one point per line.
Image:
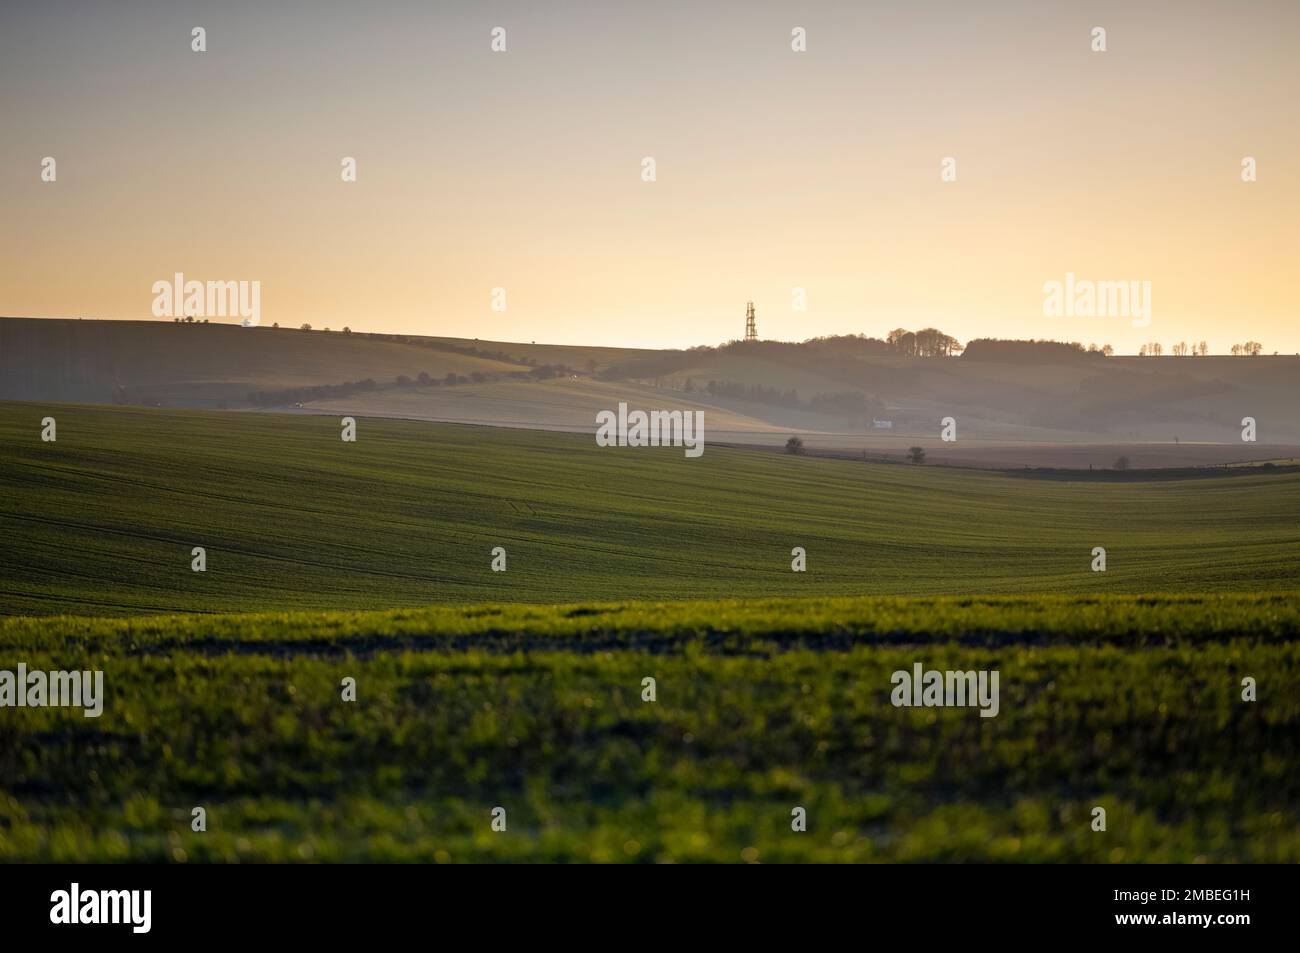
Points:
775	169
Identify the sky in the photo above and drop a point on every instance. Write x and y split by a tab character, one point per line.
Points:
775	170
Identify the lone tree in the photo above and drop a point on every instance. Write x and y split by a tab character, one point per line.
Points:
916	454
1121	463
794	445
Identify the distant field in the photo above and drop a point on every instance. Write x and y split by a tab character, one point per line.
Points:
103	521
571	405
1130	704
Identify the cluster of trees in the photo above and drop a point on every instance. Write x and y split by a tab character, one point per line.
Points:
298	395
755	392
841	348
425	379
849	344
996	349
539	372
1249	349
927	342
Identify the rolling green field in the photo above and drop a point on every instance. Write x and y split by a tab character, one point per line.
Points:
523	689
1130	704
103	521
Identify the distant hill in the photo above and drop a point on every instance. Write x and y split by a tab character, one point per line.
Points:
203	365
828	390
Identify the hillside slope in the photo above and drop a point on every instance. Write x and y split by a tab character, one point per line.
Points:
829	392
156	362
103	521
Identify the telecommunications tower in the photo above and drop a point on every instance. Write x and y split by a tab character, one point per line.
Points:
751	329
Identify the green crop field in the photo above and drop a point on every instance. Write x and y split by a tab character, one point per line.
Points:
103	520
524	689
762	706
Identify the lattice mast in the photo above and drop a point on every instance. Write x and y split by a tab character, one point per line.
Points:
751	329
